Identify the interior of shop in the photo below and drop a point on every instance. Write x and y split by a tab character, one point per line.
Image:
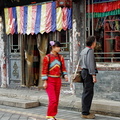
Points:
104	23
107	31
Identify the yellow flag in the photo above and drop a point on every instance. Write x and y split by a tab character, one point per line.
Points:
18	19
29	20
43	19
59	18
7	21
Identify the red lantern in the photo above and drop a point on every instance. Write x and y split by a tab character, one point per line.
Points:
63	3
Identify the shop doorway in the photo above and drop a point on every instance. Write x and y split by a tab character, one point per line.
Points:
26	53
32	61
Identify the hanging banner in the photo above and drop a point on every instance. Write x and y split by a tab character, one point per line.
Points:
53	16
98	1
97	15
49	17
14	18
43	18
64	19
25	20
103	7
36	19
69	20
6	20
59	19
21	19
18	19
34	11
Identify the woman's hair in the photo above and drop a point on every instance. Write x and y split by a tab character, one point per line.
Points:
54	44
90	40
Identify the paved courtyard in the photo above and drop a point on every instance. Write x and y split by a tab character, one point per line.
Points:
38	113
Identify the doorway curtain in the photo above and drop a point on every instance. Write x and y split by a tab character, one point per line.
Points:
35	50
29	46
42	43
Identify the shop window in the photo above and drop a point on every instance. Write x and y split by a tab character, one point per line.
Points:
107	32
14	43
63	37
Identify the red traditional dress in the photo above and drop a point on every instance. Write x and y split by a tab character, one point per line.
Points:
53	67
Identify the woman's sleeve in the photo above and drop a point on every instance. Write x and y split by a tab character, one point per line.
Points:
64	71
45	68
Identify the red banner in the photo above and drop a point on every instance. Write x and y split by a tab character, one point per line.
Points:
103	7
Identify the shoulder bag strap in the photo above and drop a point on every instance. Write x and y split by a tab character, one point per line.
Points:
77	66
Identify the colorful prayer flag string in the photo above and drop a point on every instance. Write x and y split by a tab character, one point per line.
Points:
34	19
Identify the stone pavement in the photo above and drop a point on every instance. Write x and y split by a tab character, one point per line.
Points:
38	113
67	100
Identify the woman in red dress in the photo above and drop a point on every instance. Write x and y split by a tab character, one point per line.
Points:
53	68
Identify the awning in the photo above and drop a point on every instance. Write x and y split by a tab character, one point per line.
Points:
103	9
105	14
36	19
99	1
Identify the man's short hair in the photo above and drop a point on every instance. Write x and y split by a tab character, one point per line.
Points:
90	40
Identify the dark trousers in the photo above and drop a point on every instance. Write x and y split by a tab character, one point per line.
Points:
88	91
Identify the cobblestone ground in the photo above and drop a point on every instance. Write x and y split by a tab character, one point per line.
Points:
38	113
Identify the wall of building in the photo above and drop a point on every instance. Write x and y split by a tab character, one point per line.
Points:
107	87
3	73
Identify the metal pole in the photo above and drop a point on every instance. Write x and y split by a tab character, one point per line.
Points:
92	18
88	17
85	24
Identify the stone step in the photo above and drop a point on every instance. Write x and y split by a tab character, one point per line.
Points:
14	102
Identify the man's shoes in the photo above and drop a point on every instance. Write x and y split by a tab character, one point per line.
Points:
90	116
